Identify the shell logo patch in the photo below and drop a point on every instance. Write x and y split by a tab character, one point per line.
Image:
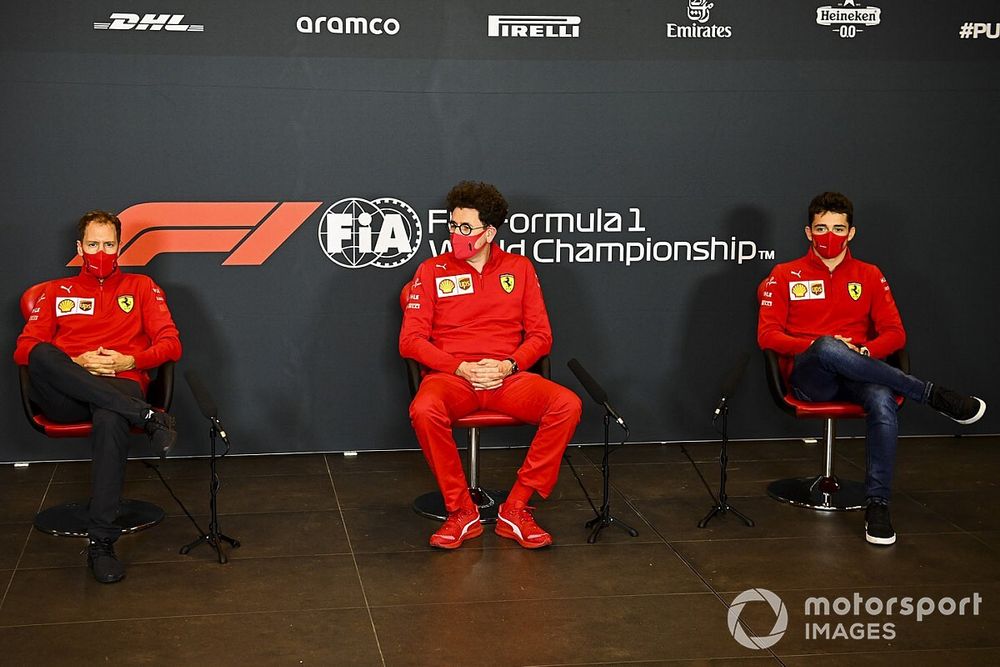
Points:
802	290
507	282
126	302
854	289
74	305
454	285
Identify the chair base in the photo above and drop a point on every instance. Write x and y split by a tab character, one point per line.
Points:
819	493
71	519
431	505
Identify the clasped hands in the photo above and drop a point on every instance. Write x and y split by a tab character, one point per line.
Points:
485	373
104	361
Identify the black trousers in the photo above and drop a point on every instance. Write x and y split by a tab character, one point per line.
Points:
68	393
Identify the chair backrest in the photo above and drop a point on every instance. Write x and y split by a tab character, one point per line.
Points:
30	297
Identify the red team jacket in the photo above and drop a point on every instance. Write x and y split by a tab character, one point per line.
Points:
803	300
456	314
126	313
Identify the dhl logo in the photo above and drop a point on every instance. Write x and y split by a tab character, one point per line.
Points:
249	231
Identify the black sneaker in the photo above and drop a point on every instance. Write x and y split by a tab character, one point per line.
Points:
963	409
161	429
878	527
103	562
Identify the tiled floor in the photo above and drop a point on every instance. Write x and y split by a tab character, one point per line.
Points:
335	567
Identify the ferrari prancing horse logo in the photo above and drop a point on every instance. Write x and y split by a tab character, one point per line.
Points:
507	282
125	302
854	289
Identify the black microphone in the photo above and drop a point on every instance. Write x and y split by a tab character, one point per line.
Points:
595	390
730	382
205	402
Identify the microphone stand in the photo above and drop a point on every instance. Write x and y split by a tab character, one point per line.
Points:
604	518
213	537
723	506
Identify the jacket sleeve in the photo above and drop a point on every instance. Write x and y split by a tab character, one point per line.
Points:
40	328
772	318
418	322
165	342
886	322
537	340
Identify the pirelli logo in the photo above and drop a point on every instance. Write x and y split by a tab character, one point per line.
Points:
248	232
533	26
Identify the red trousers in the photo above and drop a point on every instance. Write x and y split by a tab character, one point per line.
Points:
530	398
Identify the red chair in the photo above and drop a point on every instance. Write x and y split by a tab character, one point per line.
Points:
824	491
71	519
431	504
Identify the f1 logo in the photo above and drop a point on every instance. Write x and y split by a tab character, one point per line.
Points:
249	231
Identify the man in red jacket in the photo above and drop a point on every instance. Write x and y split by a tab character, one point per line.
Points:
88	345
476	320
834	320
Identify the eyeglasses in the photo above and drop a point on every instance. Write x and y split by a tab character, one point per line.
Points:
464	228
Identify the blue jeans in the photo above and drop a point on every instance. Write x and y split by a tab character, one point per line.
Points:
831	371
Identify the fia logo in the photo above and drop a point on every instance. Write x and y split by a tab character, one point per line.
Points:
355	233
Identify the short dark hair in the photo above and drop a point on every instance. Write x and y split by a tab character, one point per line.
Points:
101	218
483	197
831	202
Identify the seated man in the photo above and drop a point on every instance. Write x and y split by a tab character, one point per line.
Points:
835	320
476	321
88	344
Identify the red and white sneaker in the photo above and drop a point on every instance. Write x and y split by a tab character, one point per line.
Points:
514	521
460	526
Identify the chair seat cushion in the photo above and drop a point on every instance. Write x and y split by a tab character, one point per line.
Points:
486	419
828	409
75	430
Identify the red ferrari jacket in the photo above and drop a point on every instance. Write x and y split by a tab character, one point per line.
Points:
803	300
455	314
126	312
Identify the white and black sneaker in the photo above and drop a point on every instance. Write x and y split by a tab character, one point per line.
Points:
878	526
963	409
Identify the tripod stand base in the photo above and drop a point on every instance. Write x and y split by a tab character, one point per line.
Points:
602	521
722	509
819	493
214	542
431	505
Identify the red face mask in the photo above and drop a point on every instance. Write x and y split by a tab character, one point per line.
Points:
829	245
464	247
100	264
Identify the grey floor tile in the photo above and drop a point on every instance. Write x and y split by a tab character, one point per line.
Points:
261	536
20	501
605	630
237	495
477	573
319	637
190	468
971	657
63	595
677	519
972	510
13	537
801	562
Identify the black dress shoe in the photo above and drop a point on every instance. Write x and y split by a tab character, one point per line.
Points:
161	429
103	562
